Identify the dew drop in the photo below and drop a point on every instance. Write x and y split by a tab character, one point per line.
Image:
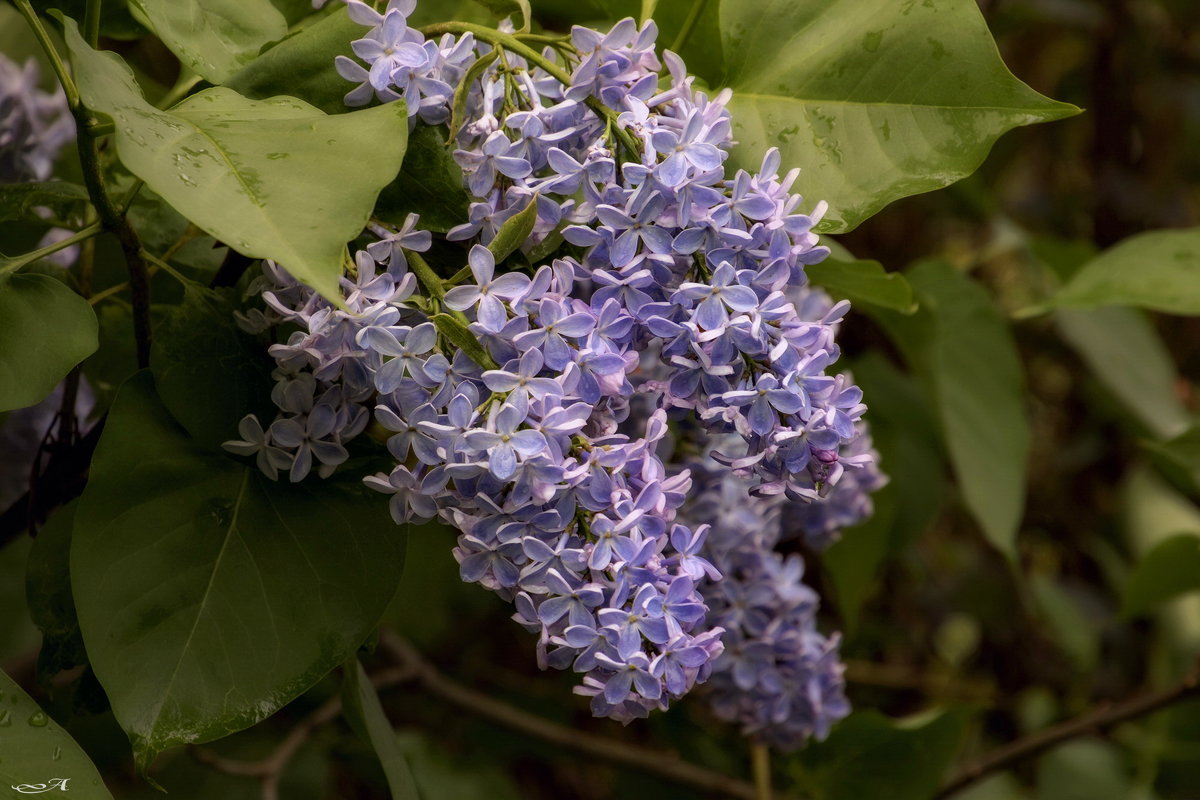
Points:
57	754
38	720
5	718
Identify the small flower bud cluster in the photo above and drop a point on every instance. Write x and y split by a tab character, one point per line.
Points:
505	396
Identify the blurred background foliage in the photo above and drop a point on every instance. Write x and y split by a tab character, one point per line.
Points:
953	646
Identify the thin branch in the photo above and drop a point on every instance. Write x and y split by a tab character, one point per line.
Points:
1093	721
665	765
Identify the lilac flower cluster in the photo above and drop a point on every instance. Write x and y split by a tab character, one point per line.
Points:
505	396
779	677
34	125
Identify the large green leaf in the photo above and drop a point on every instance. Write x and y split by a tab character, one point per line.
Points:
48	594
430	184
863	281
963	348
45	330
213	37
1171	568
209	596
302	64
273	179
870	756
36	753
209	373
365	713
1127	356
1159	270
874	99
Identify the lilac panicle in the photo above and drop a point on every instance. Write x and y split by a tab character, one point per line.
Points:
679	296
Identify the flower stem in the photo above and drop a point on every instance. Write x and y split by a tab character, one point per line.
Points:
425	274
514	45
56	62
91	23
8	266
760	757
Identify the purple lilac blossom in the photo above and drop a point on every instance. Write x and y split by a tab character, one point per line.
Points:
34	125
677	299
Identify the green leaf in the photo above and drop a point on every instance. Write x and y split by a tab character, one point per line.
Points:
1086	770
514	231
209	373
906	435
47	329
274	179
874	99
430	184
214	38
18	200
460	335
869	755
1179	459
1159	270
48	594
209	596
862	281
506	8
365	714
302	65
440	774
1170	569
38	753
963	349
1069	624
1127	356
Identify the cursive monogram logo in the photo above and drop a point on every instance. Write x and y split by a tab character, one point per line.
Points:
39	788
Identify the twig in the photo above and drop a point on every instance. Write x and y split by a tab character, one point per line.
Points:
1093	721
664	765
270	769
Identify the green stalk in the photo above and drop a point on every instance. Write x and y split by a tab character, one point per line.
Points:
425	274
91	23
760	757
56	62
9	266
514	45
